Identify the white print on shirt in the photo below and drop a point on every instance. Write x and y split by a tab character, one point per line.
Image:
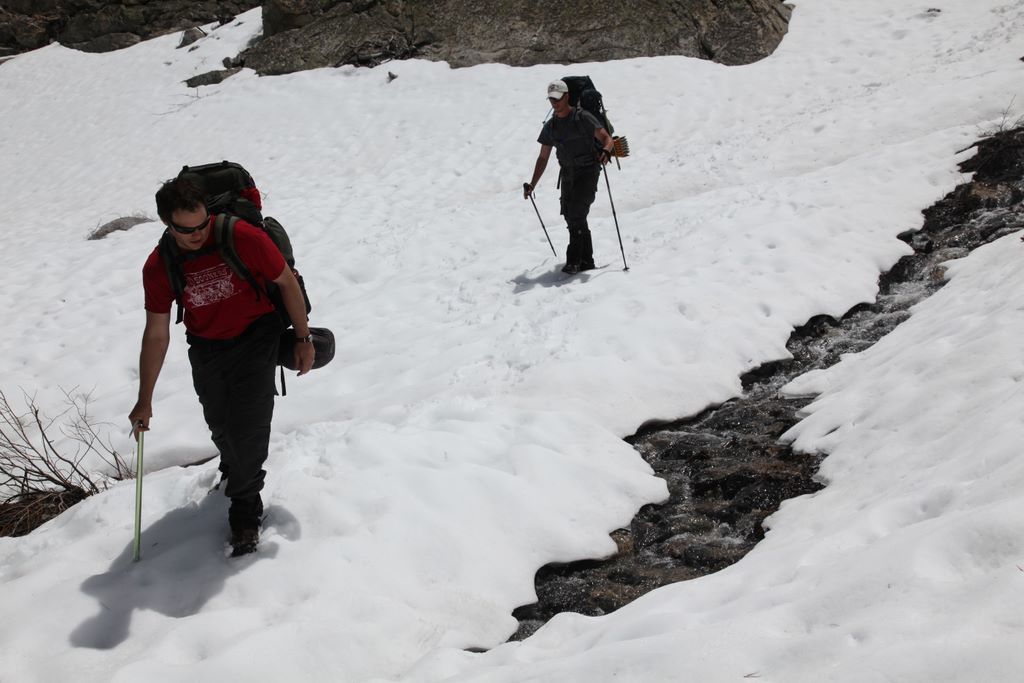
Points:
210	286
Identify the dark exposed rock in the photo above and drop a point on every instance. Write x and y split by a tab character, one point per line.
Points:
104	25
118	224
191	35
303	34
211	77
725	470
1000	159
108	42
21	32
285	15
307	35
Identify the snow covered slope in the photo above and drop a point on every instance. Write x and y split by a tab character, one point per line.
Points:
469	430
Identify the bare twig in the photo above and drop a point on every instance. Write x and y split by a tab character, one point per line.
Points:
191	99
1008	121
39	478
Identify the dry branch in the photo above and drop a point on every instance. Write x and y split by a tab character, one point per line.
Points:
38	480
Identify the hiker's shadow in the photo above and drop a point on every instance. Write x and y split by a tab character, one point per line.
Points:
548	278
183	564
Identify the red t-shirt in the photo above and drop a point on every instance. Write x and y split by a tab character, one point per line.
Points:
218	303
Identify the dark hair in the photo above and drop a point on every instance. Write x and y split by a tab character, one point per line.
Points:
176	195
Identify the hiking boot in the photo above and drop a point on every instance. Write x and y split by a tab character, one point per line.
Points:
587	265
571	268
244	541
245	513
245	516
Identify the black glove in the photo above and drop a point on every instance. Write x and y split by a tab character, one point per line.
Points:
527	190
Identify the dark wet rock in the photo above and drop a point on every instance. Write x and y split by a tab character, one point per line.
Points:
725	470
723	478
304	34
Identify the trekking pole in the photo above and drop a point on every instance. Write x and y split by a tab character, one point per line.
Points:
543	227
137	543
609	185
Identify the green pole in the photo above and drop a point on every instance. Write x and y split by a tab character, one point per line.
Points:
137	545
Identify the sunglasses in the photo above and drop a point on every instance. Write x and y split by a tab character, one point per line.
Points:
182	230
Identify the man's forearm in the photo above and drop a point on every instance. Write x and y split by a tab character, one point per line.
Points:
151	360
295	305
538	170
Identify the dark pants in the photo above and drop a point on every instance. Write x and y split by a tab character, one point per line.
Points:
579	187
234	380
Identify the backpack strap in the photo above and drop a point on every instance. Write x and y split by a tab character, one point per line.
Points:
224	236
224	242
577	115
171	257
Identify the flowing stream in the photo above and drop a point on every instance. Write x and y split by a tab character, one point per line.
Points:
725	468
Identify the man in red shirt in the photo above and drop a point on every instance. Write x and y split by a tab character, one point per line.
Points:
233	333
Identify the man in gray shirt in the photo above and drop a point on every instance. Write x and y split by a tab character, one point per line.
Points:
582	146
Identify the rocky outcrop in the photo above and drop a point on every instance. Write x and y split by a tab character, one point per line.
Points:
304	34
103	25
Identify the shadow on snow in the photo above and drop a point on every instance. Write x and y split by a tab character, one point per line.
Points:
553	278
184	564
